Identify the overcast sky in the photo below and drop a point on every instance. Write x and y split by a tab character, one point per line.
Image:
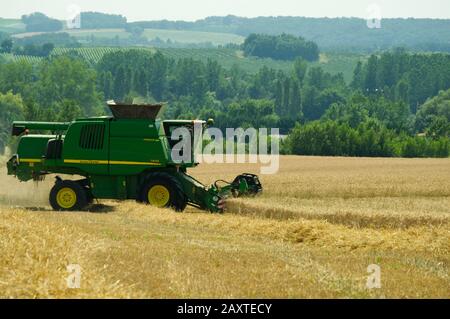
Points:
198	9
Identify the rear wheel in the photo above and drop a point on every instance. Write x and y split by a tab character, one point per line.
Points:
163	190
68	196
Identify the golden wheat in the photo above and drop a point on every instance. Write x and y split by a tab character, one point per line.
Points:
394	193
318	225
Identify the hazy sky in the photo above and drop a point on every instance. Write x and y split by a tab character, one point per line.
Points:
197	9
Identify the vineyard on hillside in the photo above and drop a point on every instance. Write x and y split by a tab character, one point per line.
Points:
333	63
91	55
8	57
226	57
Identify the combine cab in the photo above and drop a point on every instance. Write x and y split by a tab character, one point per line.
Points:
126	156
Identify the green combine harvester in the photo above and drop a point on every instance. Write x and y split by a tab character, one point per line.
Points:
124	156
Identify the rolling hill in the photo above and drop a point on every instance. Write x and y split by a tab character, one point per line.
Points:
180	36
330	62
331	34
11	25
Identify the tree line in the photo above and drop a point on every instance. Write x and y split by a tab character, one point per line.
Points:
59	89
281	47
39	22
193	87
357	129
400	76
320	112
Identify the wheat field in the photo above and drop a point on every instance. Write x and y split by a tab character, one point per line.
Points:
312	234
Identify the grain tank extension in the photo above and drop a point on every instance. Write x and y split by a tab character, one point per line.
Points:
124	156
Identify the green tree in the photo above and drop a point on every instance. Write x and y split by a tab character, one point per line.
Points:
119	79
279	97
64	78
439	127
295	102
351	114
7	45
158	75
140	83
11	109
286	96
39	22
107	84
280	47
438	106
370	81
67	110
310	101
402	91
17	77
358	76
316	78
300	69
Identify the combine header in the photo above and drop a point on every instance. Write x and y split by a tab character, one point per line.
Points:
126	156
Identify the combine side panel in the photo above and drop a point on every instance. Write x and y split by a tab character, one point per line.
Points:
86	147
135	146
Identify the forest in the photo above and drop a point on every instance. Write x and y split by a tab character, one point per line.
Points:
97	20
39	22
281	47
398	103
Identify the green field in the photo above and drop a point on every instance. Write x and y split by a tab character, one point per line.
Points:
194	36
11	25
174	35
101	33
80	33
330	62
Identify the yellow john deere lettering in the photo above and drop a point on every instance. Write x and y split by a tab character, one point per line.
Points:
30	160
105	162
132	163
77	161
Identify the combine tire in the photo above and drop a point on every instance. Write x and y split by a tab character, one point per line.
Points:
163	190
68	196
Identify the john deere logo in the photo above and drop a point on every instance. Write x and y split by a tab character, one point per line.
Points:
89	162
